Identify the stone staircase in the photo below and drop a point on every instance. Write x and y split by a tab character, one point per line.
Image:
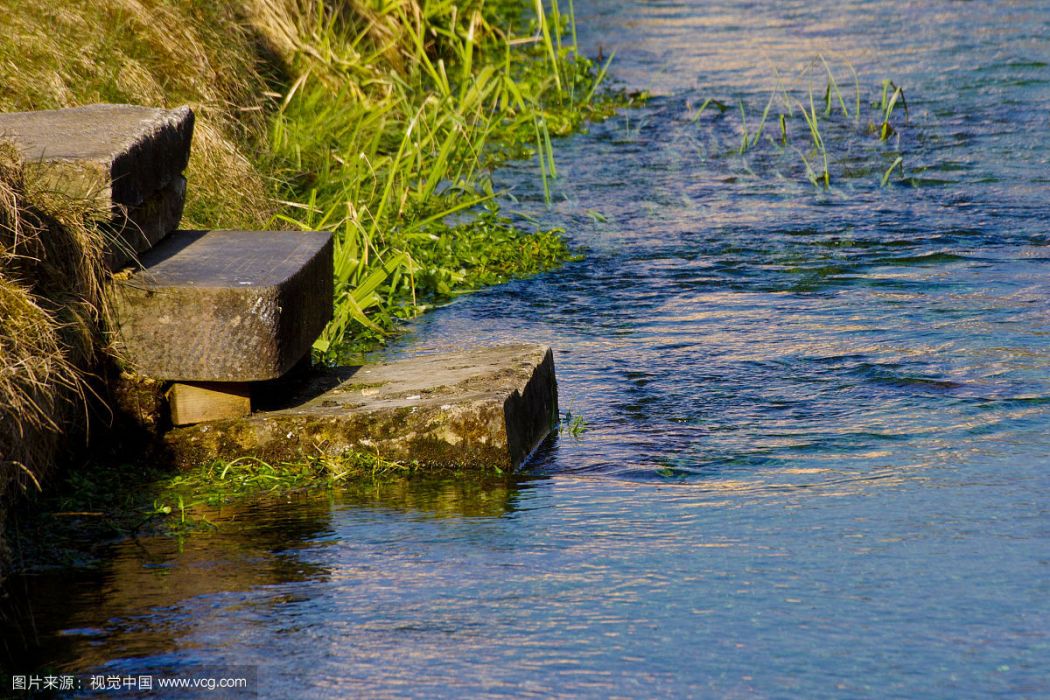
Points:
207	310
219	315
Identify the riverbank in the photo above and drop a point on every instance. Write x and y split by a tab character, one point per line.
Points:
818	419
379	125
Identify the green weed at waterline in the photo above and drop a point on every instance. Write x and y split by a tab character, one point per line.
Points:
572	424
185	500
897	162
813	123
886	106
837	132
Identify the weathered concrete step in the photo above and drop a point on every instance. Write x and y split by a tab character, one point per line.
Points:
478	409
122	162
225	306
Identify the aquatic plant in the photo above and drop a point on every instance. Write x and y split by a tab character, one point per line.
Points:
722	107
886	107
833	86
818	142
897	162
85	499
572	424
749	140
837	120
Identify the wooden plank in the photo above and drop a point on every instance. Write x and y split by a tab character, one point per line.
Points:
122	162
116	155
198	403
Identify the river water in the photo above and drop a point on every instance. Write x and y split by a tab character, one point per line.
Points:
817	422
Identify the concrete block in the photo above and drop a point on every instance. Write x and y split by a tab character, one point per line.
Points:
225	306
122	162
481	409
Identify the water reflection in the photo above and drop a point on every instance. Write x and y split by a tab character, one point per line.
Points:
148	599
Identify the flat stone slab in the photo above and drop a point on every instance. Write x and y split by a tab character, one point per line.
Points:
225	306
123	162
481	409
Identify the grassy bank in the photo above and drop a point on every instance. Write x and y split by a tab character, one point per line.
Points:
388	132
378	121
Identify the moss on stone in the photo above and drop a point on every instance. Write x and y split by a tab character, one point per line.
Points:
477	410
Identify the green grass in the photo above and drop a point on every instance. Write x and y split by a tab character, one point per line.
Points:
183	501
400	171
70	524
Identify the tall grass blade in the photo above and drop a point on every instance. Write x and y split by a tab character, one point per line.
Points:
541	17
765	116
899	161
856	85
834	87
886	130
600	78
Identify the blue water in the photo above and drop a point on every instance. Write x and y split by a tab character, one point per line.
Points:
817	438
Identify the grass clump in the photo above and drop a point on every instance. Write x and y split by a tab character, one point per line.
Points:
220	481
397	161
185	501
51	300
835	131
84	508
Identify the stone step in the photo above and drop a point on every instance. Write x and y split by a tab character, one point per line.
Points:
122	162
224	306
481	409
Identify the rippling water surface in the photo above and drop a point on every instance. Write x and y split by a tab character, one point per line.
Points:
818	423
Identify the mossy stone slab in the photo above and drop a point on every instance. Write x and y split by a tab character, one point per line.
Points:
482	409
122	163
225	306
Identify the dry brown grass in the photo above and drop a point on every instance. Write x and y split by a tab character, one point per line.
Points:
50	301
156	53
